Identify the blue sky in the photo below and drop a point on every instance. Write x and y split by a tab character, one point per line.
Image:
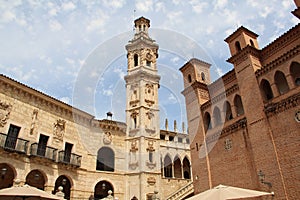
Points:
53	46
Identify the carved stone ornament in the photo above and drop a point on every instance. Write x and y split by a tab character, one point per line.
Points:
107	138
33	122
59	129
228	144
133	146
297	116
150	146
5	109
151	180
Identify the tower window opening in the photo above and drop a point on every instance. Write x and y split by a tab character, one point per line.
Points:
252	43
134	122
238	46
140	27
148	63
144	27
189	78
202	76
136	59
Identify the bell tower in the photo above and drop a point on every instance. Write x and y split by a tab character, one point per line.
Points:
142	113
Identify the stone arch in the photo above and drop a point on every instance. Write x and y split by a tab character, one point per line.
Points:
105	159
266	90
227	111
101	189
168	169
186	168
66	183
295	72
281	82
207	121
238	104
177	167
36	178
217	116
8	174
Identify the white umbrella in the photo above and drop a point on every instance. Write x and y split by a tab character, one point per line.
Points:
222	192
25	192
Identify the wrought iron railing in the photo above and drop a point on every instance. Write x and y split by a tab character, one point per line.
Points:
44	152
13	143
69	158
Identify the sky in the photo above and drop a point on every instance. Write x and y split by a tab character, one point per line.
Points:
75	51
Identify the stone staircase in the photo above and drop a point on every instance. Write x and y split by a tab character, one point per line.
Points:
182	192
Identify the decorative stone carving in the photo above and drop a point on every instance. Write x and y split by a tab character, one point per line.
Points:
59	129
133	146
151	180
5	109
228	144
33	122
107	138
150	146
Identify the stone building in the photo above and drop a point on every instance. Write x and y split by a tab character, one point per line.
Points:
47	143
245	127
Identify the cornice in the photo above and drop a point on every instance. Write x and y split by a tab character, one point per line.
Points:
109	125
243	55
240	124
36	98
220	96
272	109
195	85
286	56
281	42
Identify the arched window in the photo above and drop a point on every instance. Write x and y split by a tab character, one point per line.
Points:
177	167
207	121
136	60
7	175
266	89
101	189
238	105
36	179
252	43
168	167
186	168
105	159
189	78
202	76
65	183
227	111
295	72
217	116
281	82
238	46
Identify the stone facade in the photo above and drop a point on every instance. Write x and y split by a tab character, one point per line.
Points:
47	143
247	122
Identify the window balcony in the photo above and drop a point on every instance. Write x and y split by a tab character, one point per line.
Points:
43	152
14	144
69	158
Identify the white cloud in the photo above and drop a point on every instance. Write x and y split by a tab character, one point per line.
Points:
120	72
98	22
66	100
55	25
114	4
52	12
220	4
8	16
107	92
175	60
219	71
265	11
144	5
198	6
172	99
68	6
160	7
